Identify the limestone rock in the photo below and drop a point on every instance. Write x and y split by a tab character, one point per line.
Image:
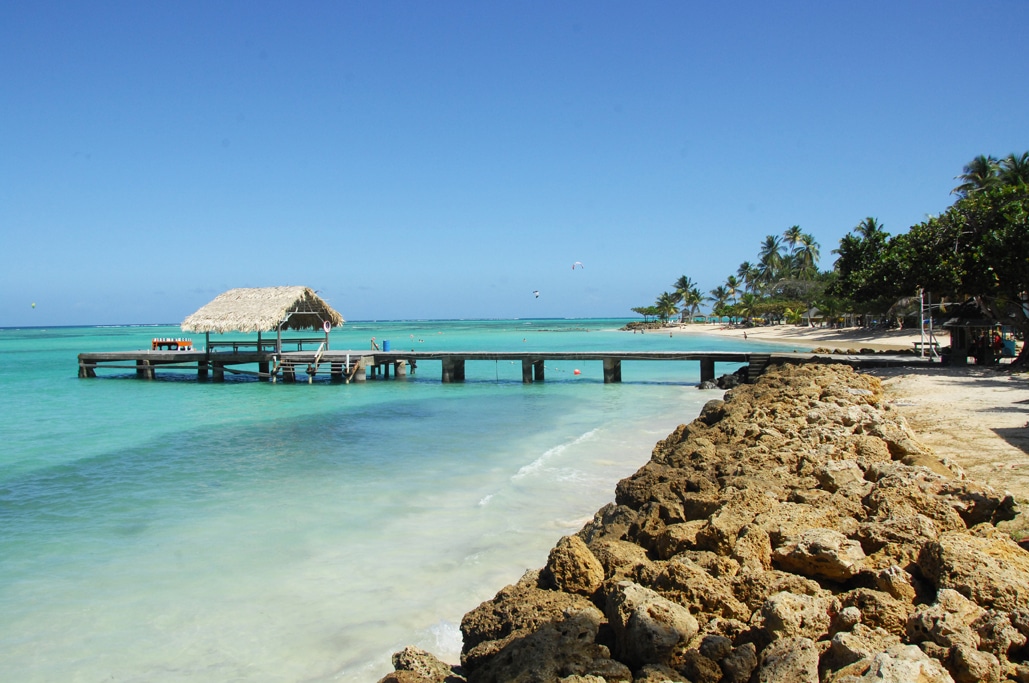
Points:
610	522
514	612
424	665
837	474
739	664
898	664
788	615
947	622
698	591
620	559
755	587
723	528
573	568
677	538
403	676
992	571
969	665
659	673
563	647
647	627
860	643
896	582
789	660
698	668
998	635
878	609
820	553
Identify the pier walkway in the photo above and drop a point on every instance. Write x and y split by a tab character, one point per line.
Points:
358	366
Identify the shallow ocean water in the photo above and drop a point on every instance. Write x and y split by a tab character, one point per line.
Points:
173	529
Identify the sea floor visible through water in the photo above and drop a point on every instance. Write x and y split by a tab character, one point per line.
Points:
173	529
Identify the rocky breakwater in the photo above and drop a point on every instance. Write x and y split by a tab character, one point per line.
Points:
796	531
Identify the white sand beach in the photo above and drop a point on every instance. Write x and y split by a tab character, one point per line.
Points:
807	338
976	416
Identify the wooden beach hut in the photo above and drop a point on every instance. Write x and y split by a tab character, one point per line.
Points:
264	309
967	325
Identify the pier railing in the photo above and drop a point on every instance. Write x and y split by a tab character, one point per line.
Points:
264	346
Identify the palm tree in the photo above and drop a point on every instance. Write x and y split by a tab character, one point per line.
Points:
665	306
978	174
719	297
792	237
807	256
770	259
745	307
691	302
1014	170
733	286
748	273
682	286
869	228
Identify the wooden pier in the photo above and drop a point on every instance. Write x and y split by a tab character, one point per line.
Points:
359	366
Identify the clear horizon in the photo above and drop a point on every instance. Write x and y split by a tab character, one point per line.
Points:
417	161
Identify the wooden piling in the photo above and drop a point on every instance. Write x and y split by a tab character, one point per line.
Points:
707	370
612	370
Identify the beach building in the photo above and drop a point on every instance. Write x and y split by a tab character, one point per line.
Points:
261	310
970	330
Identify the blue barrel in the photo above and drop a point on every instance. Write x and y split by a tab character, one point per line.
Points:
385	344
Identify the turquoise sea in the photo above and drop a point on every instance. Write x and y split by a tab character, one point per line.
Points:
174	530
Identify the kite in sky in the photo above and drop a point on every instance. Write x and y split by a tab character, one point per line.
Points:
577	263
536	292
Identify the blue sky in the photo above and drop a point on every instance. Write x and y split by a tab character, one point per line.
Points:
445	159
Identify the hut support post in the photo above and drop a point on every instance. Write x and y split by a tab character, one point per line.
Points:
202	369
537	370
217	372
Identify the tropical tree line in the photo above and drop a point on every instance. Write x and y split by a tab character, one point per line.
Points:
778	285
976	251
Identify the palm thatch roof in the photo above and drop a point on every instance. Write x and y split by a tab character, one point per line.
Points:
262	309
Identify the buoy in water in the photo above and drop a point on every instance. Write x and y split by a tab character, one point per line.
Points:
577	371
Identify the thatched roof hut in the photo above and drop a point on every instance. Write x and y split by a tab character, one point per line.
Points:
263	309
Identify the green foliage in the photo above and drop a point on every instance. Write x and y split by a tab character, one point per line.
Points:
861	267
646	311
666	306
978	248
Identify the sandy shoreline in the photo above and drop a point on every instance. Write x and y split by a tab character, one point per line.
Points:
807	338
976	416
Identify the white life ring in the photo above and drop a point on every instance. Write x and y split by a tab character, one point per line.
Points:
326	326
